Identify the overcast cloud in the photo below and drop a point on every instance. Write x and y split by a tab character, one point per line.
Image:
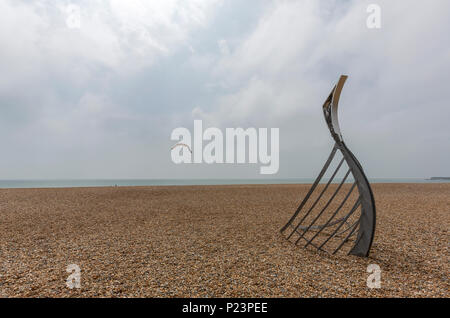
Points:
101	101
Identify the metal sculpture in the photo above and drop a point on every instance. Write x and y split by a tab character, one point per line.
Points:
337	221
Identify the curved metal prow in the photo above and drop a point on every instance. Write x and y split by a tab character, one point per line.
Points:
362	224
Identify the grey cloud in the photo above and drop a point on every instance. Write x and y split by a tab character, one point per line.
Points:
101	101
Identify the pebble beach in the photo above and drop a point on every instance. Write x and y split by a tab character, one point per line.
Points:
213	241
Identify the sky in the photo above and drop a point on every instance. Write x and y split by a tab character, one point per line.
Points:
98	97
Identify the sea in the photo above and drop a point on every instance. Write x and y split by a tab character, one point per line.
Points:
70	183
